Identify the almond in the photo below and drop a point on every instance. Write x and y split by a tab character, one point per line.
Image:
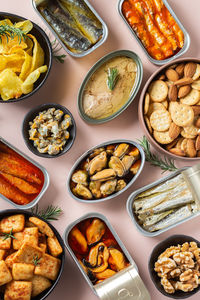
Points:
180	69
190	69
196	109
184	91
184	81
190	148
197	123
197	143
177	151
161	77
173	93
174	131
198	153
171	145
172	75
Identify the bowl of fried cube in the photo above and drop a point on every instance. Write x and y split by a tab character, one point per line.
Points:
31	256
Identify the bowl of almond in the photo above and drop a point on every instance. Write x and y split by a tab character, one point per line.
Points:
169	109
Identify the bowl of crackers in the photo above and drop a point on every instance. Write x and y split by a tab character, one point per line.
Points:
32	255
169	109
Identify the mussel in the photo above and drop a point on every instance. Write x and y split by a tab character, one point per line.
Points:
82	191
80	176
116	260
108	187
78	240
128	161
106	174
98	258
95	231
116	164
94	187
121	150
97	163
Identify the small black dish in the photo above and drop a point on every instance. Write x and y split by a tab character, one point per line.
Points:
27	214
32	114
173	240
46	46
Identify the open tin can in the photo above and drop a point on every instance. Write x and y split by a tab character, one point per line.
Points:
191	176
8	151
125	284
103	38
153	60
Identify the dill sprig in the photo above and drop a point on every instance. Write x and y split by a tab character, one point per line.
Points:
36	260
166	164
51	213
9	235
56	47
113	76
11	32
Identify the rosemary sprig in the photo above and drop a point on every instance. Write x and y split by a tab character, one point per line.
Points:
113	76
50	213
36	260
56	47
9	235
166	164
11	32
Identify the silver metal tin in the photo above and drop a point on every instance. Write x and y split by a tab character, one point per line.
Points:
164	61
44	171
90	151
84	53
129	204
95	67
126	284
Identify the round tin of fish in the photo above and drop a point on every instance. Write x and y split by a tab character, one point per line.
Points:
95	67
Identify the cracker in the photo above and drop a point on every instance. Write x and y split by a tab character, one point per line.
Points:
160	120
148	124
182	115
146	103
178	145
39	284
192	130
197	73
18	290
155	106
5	275
21	271
165	104
162	137
196	85
158	91
184	145
14	223
187	135
192	98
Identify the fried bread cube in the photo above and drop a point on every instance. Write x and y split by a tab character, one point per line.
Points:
14	223
43	226
48	267
43	247
18	241
5	275
27	253
10	260
21	271
29	235
54	246
5	243
39	284
29	224
2	254
18	290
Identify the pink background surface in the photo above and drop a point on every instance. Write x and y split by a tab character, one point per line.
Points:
62	87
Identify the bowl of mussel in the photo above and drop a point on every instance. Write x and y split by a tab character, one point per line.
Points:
105	171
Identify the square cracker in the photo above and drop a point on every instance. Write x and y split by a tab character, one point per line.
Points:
39	284
27	253
48	267
5	275
16	290
21	271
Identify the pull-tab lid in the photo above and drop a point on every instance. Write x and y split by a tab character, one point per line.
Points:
192	177
125	285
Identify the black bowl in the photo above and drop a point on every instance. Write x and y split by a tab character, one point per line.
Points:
46	46
173	240
32	114
9	212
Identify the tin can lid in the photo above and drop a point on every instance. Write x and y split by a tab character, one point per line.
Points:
192	177
125	285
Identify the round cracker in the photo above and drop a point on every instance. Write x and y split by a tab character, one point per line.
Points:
184	145
162	137
196	85
158	91
155	106
146	103
182	115
192	130
187	135
172	105
192	98
148	124
160	120
165	104
197	73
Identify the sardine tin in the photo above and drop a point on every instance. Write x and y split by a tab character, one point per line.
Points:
44	171
35	3
164	61
193	172
126	284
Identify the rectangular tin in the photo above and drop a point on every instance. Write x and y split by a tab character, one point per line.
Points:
164	61
126	284
132	197
94	47
44	171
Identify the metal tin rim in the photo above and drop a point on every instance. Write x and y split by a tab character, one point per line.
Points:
102	217
164	61
94	68
94	47
44	171
132	196
88	152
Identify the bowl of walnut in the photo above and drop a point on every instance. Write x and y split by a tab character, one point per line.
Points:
174	266
169	109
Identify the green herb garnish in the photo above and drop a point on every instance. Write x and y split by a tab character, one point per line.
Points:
50	213
113	76
56	47
11	32
36	260
166	164
9	235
